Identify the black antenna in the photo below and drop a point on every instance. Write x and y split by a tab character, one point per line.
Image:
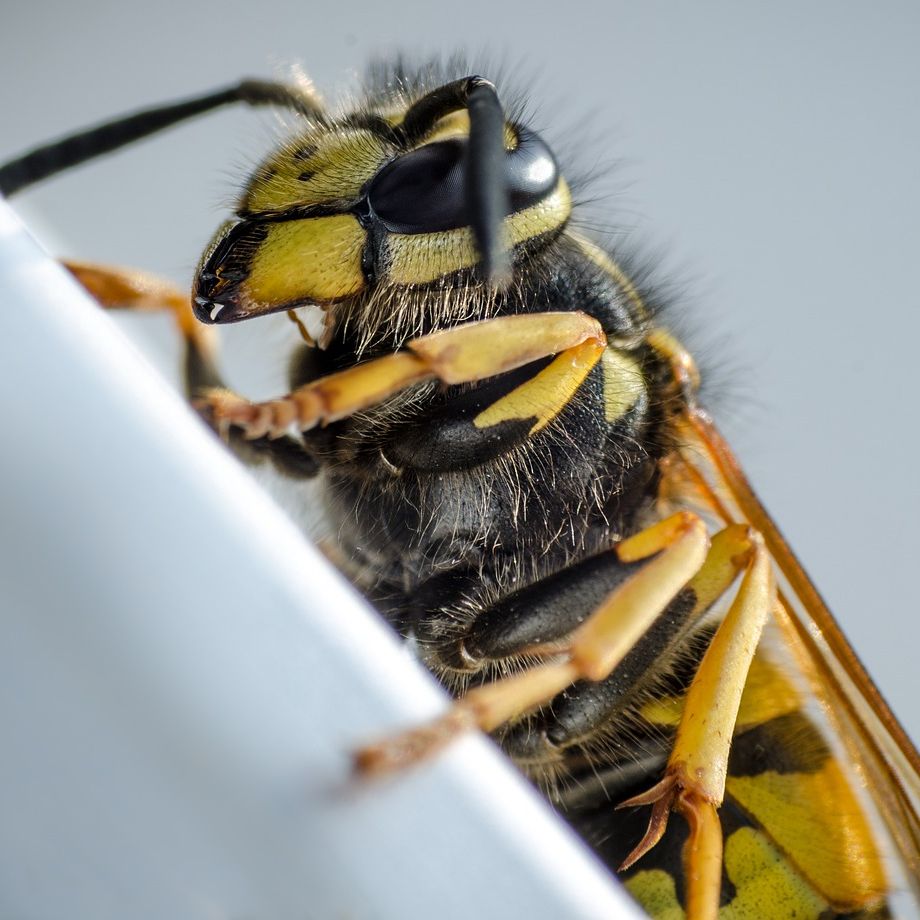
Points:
49	159
486	191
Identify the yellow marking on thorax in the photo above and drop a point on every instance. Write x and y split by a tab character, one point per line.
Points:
418	258
315	259
337	168
545	395
623	383
683	368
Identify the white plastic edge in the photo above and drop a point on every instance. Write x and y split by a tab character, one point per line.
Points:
182	677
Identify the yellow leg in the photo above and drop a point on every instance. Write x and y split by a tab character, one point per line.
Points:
122	288
694	782
679	546
680	557
474	351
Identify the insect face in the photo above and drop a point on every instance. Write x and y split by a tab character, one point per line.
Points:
373	201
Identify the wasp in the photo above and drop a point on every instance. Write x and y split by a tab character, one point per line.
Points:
517	471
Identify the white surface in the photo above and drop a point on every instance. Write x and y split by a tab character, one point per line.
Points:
182	677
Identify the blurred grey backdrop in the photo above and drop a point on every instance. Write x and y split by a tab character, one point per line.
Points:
768	154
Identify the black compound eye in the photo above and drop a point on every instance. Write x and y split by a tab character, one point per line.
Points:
530	171
424	191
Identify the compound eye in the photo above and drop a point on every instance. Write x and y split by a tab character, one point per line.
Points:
530	171
424	191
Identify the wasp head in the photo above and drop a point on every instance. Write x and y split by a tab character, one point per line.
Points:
405	199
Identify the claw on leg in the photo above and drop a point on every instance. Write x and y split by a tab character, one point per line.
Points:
661	797
703	850
694	783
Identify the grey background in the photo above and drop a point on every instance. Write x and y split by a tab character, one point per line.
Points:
767	152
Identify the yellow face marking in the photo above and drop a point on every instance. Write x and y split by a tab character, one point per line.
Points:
331	167
817	821
623	384
315	260
419	258
545	395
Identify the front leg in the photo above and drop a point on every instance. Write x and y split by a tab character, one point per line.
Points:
471	352
128	289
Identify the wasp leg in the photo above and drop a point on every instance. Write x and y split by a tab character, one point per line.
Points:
471	352
586	709
676	550
694	782
128	289
120	288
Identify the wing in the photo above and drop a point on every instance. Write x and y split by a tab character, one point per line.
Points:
884	761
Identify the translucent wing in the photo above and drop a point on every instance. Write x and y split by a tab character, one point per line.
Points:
885	762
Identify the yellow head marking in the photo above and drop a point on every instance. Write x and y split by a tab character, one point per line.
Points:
320	169
419	258
372	201
317	259
457	124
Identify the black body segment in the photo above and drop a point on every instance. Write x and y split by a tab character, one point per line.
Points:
548	610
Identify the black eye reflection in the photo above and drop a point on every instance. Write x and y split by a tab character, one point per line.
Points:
424	191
